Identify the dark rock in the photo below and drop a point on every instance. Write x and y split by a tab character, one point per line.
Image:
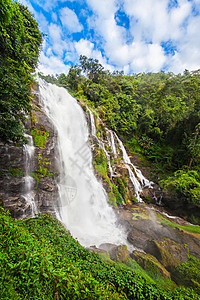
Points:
97	250
149	263
167	252
117	253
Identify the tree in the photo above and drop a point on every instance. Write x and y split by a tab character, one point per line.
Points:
194	146
20	41
91	67
74	77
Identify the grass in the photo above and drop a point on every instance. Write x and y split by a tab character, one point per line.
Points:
188	228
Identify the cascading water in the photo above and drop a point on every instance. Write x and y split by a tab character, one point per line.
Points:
101	144
112	143
92	122
84	208
29	181
137	178
139	183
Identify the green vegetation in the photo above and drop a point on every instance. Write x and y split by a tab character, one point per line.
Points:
118	189
20	41
185	184
188	228
154	269
155	114
40	260
40	137
42	170
188	273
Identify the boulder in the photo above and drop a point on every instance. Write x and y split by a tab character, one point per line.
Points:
117	253
167	252
149	263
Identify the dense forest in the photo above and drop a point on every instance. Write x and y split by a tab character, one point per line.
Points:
20	41
156	114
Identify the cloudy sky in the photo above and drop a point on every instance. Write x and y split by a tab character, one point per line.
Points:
130	35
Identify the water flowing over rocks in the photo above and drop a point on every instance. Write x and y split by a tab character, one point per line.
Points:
41	196
119	164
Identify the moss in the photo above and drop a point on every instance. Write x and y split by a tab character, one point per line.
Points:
34	175
133	199
100	165
122	253
154	269
122	186
42	170
112	199
170	253
188	228
105	257
40	137
15	172
139	212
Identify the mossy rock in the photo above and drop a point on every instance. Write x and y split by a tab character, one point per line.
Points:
120	253
149	263
167	252
117	253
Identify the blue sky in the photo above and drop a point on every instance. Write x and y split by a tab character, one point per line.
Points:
130	35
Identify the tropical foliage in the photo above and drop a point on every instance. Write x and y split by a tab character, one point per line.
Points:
20	41
40	260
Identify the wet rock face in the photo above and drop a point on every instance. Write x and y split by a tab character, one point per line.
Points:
12	180
43	169
46	162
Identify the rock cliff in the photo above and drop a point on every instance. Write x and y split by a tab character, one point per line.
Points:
43	167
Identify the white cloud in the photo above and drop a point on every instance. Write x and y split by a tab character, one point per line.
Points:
86	48
151	24
54	17
102	8
135	49
52	65
70	20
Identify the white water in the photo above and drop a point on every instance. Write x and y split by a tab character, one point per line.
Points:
84	208
138	181
137	178
29	181
101	144
92	122
112	143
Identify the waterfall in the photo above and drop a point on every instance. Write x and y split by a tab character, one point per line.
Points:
137	178
138	181
29	181
92	122
84	208
112	143
101	144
